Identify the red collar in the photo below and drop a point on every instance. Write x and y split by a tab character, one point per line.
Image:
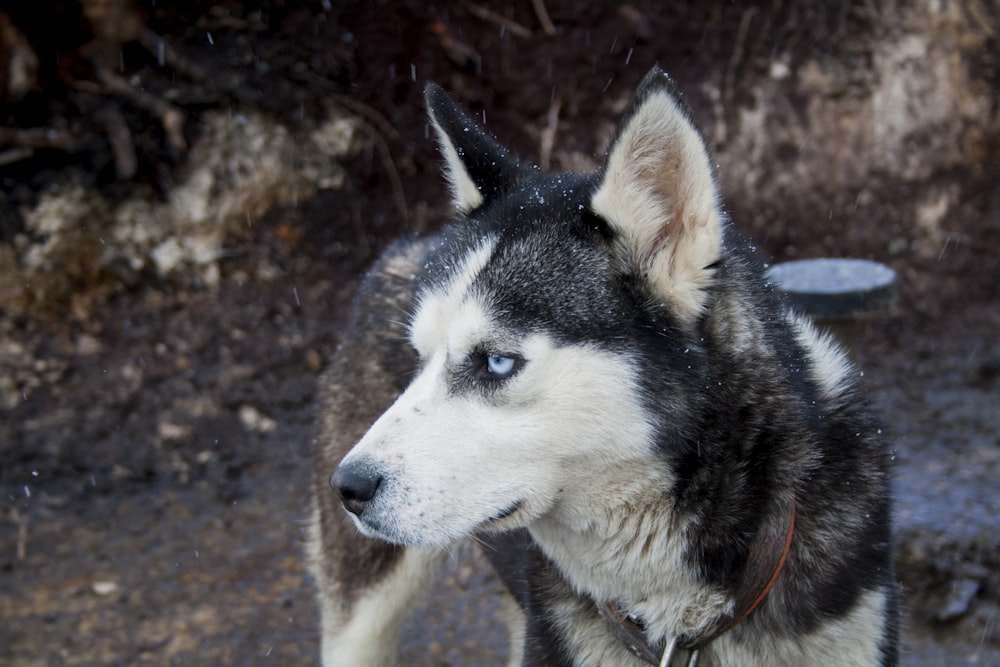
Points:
765	560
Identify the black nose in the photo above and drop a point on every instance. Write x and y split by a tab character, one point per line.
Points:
356	484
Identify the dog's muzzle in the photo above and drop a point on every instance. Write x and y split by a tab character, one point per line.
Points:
356	485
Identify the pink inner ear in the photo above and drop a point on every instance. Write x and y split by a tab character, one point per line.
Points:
659	193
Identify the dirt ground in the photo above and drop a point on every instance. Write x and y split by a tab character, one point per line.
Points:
156	427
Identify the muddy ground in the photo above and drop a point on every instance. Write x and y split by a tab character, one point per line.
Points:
157	420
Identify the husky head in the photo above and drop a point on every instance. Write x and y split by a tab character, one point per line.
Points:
543	312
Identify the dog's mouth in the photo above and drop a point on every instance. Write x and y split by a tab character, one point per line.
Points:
372	527
504	513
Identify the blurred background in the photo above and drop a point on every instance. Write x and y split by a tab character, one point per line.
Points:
190	190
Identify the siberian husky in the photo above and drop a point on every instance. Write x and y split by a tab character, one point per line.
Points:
591	376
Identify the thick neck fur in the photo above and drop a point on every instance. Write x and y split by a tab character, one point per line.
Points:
781	426
632	554
671	546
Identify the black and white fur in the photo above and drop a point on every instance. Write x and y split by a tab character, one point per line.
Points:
591	374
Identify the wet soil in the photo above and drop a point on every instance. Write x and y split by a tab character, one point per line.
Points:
155	446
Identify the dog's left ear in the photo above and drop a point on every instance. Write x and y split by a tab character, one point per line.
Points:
477	167
658	193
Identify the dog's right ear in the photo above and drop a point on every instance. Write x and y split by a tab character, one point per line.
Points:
476	166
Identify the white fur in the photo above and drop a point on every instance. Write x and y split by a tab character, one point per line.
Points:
633	554
830	366
659	194
850	641
589	638
367	632
513	616
437	309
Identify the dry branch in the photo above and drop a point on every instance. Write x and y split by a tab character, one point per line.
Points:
548	134
543	17
488	15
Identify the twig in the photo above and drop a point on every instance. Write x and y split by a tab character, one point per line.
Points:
734	60
12	155
543	17
390	169
358	223
22	533
120	138
165	54
548	134
460	53
488	15
170	116
38	137
380	128
371	115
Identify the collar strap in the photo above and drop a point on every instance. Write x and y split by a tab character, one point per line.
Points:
766	558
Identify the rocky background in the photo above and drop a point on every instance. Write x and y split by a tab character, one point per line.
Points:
189	191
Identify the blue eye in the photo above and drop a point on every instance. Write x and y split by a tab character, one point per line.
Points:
500	366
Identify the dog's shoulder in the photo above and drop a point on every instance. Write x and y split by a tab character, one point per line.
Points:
389	286
374	360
